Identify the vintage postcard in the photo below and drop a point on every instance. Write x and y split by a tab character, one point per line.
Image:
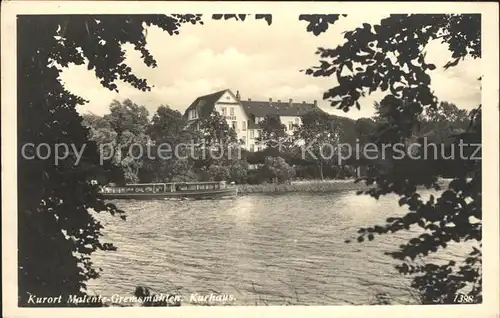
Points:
213	159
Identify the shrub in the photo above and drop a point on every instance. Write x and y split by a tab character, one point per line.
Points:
218	173
276	169
238	172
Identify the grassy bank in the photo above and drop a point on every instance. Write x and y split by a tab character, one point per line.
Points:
314	186
302	186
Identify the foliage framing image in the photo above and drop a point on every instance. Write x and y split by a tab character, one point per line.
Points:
56	230
57	233
454	216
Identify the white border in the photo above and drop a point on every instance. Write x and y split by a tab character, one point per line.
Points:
490	84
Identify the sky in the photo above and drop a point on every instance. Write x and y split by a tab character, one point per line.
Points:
259	61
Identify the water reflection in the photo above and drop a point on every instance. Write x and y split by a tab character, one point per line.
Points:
273	249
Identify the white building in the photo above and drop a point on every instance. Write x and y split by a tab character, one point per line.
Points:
244	115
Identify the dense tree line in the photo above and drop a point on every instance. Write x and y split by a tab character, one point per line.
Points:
134	144
165	148
327	146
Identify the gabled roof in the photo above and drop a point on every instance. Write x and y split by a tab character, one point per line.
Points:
263	108
206	103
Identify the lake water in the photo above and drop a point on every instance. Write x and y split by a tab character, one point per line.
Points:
262	249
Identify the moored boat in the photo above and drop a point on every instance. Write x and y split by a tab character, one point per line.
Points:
177	190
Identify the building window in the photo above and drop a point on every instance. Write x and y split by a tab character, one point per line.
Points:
193	114
244	125
224	111
290	125
231	111
252	147
252	134
235	125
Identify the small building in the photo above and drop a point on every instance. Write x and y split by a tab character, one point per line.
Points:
244	116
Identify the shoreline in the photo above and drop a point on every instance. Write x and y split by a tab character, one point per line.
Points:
310	186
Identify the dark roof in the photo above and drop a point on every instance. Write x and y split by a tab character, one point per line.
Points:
205	103
263	108
253	125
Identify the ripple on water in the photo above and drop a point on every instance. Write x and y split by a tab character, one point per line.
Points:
286	249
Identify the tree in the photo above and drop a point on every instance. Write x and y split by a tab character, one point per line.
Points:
218	140
364	127
273	132
127	117
320	133
390	56
238	171
215	131
127	124
167	125
130	122
182	171
166	132
101	133
218	172
276	169
439	123
444	122
447	112
57	231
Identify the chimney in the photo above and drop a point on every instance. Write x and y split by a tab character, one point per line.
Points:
238	97
315	103
290	101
